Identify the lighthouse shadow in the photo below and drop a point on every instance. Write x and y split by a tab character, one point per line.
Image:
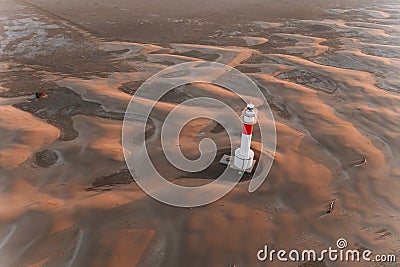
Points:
216	169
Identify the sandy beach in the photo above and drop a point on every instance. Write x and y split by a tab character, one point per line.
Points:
329	70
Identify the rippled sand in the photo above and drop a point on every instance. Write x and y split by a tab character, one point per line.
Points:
333	85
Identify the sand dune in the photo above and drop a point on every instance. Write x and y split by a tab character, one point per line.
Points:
231	56
22	133
332	82
304	44
250	40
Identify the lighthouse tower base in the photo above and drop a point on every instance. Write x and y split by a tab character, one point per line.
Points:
243	162
230	161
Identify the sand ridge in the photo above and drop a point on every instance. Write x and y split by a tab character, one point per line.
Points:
332	83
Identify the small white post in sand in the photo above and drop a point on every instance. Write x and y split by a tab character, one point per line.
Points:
244	155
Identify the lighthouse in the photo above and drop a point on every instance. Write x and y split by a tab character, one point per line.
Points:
243	158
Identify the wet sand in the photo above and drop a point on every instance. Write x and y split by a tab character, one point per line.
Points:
181	20
330	72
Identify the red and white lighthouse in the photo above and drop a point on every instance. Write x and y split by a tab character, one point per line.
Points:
244	155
